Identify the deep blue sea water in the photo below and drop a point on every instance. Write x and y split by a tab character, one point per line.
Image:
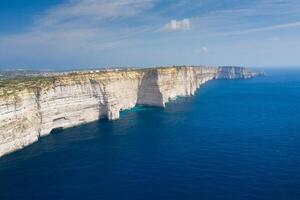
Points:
236	140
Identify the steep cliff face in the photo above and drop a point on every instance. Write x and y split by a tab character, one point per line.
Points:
228	72
30	109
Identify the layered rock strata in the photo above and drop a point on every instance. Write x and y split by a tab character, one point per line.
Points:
31	108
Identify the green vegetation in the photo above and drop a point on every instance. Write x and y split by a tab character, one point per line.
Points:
13	86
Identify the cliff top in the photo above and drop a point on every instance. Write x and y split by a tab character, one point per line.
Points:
16	84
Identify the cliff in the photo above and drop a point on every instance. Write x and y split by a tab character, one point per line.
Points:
32	107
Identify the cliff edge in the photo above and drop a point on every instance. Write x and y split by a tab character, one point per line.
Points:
32	107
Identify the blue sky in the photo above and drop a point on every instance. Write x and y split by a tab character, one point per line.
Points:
62	34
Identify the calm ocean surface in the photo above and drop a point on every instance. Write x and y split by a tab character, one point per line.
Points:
236	139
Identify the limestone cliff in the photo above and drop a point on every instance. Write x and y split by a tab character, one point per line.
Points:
33	107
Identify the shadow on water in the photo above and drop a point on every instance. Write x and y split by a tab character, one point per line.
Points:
65	139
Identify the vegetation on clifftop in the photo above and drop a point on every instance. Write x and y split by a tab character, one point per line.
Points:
12	86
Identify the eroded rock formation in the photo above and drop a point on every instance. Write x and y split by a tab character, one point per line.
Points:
32	108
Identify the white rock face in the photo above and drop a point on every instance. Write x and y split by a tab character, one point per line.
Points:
71	100
233	73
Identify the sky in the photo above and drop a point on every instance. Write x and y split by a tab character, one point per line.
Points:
70	34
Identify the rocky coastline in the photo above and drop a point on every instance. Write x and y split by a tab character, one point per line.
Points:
32	107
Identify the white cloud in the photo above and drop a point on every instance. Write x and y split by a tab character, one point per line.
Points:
77	26
201	50
204	49
87	12
174	25
89	29
241	20
261	29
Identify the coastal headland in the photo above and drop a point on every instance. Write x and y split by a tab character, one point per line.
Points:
31	107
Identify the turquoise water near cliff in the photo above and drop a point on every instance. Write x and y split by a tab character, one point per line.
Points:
237	139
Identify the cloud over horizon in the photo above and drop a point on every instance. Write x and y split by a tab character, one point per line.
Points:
133	32
76	27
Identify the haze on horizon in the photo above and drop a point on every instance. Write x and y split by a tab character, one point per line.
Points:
64	34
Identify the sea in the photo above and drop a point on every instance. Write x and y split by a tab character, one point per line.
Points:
233	140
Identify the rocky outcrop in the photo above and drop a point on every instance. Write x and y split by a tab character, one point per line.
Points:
32	108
